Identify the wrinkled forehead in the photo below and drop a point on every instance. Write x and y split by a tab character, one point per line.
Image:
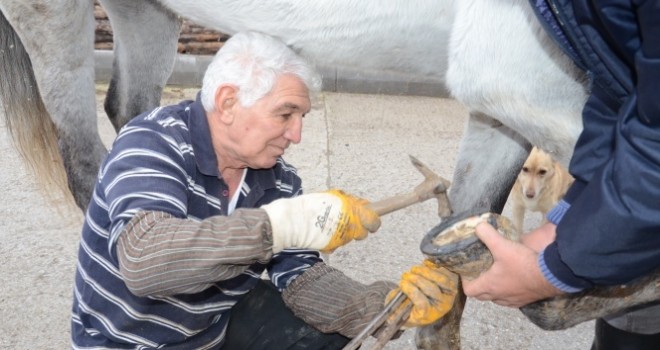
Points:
289	93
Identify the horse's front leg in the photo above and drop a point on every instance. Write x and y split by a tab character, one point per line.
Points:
568	310
145	45
445	334
489	159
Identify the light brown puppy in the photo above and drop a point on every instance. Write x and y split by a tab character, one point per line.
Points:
542	182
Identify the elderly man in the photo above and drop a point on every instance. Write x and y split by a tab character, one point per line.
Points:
194	203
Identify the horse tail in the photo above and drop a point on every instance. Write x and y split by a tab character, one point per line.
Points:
32	130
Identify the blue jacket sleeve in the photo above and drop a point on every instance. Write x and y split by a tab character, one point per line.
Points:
610	233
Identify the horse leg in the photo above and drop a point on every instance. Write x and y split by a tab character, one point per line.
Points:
445	334
145	43
569	310
482	179
489	159
59	38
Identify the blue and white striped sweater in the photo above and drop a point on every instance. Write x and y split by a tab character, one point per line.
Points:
163	161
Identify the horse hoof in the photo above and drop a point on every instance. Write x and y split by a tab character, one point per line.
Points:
453	243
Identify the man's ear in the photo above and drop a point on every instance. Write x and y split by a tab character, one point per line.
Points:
226	97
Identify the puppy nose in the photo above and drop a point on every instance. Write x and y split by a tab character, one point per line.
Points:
530	194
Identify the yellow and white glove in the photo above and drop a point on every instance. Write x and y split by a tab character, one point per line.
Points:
321	221
431	289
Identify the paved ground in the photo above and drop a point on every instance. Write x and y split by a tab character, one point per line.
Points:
359	143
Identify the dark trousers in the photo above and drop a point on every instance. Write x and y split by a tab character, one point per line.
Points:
261	320
611	338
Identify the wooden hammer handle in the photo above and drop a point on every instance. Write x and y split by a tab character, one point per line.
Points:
395	203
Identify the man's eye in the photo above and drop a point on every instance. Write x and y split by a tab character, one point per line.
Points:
286	115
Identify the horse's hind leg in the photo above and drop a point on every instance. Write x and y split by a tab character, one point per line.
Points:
59	38
145	41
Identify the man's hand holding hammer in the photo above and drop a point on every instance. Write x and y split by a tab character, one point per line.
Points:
328	220
321	221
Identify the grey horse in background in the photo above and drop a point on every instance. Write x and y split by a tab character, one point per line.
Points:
408	38
518	86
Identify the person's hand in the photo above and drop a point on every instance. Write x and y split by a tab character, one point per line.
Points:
540	238
514	279
431	289
322	221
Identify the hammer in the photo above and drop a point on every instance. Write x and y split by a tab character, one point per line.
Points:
433	186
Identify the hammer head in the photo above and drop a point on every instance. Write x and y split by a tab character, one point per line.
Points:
444	208
433	186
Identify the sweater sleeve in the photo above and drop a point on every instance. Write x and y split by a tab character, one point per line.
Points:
162	255
330	301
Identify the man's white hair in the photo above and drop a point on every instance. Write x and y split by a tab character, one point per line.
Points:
253	62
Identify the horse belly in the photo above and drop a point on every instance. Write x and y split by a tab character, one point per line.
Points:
400	37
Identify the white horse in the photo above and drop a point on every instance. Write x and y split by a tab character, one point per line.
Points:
519	87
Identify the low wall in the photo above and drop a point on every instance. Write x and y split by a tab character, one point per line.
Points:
194	39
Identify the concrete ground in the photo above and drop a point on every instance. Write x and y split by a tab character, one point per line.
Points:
358	143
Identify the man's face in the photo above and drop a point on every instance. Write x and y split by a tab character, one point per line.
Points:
263	131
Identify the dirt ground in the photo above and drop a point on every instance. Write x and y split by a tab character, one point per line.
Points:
359	143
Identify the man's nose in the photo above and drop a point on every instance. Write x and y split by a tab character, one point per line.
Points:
293	131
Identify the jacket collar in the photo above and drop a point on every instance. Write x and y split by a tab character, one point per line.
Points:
205	158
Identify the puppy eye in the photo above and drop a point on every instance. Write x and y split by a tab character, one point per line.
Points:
525	169
542	172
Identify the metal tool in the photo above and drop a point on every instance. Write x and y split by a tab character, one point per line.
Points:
394	315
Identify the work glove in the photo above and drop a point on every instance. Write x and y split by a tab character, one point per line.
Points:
321	221
430	288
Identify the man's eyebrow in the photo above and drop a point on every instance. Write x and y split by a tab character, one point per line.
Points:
287	106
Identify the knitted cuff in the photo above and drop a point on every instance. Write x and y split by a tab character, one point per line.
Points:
557	213
553	279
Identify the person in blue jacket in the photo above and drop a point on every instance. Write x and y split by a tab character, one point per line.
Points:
606	230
